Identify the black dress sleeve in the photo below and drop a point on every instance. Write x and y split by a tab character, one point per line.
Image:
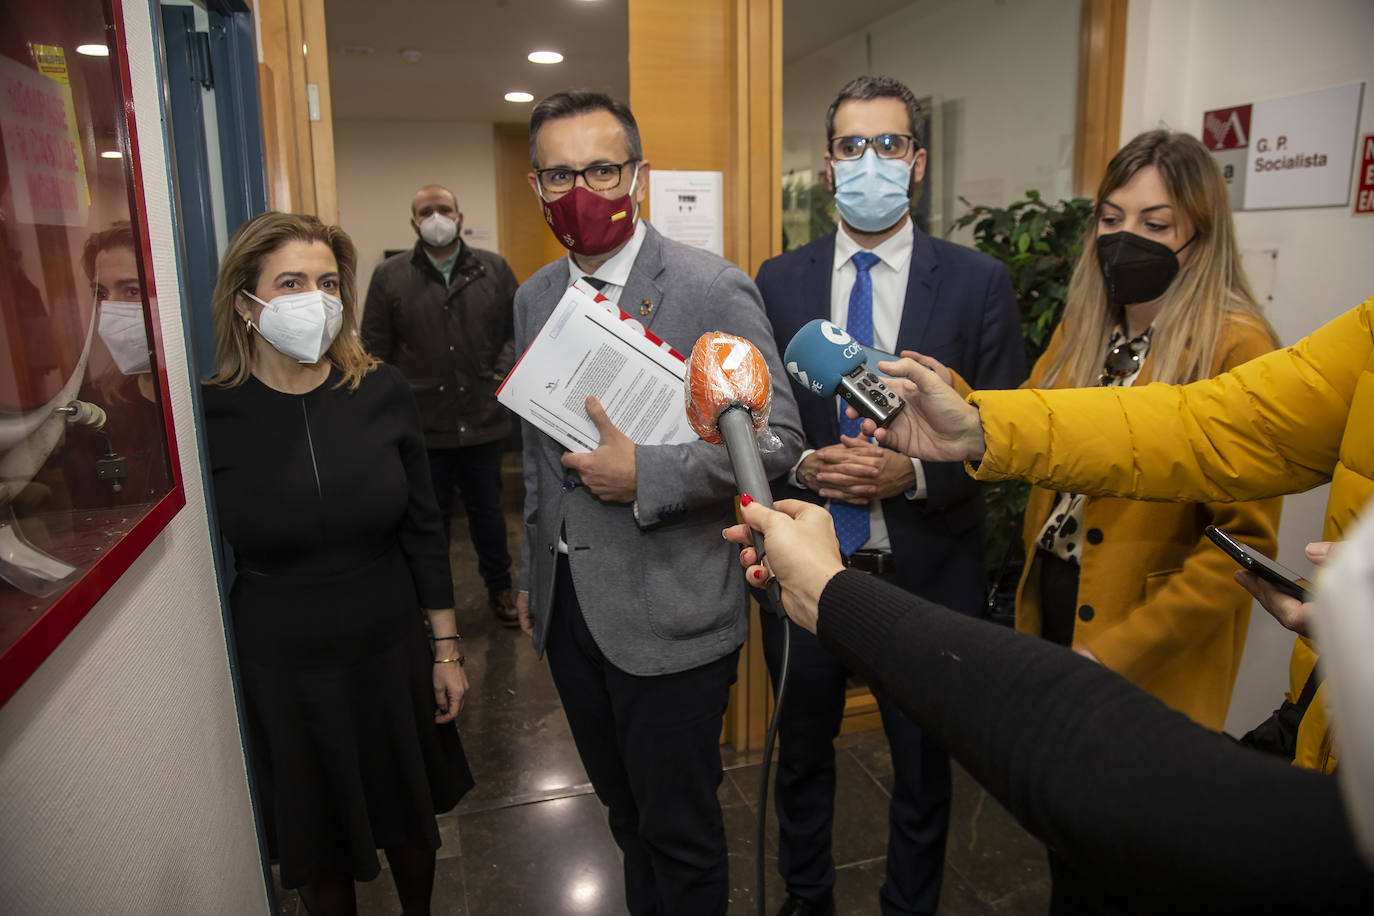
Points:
421	534
1156	812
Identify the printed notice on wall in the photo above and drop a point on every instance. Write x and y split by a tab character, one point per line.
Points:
1291	152
47	172
590	347
689	207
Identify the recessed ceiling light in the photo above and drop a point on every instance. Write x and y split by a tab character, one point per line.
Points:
93	50
519	97
112	154
545	57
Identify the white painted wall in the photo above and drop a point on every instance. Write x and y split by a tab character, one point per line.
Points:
1004	74
1184	58
381	164
122	775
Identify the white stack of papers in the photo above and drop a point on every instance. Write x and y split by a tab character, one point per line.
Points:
590	347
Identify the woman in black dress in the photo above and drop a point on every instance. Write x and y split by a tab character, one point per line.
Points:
324	494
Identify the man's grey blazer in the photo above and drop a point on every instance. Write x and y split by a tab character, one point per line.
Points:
660	589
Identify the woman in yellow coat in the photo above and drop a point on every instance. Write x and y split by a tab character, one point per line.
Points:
1158	295
1284	422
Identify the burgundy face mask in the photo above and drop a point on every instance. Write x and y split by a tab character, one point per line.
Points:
589	224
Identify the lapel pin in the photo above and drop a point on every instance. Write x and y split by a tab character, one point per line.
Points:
645	307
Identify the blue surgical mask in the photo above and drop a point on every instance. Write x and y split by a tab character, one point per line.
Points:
871	193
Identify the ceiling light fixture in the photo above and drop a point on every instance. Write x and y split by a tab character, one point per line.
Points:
93	50
112	154
518	96
545	57
411	55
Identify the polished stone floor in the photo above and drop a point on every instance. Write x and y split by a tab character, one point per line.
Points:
531	838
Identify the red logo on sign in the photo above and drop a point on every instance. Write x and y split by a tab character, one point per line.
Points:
1364	197
1226	128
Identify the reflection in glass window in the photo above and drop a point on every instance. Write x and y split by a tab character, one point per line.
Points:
83	434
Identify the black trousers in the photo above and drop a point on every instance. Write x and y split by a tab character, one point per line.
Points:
476	470
804	790
651	749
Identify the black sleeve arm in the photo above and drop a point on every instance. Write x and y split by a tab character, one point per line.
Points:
1167	815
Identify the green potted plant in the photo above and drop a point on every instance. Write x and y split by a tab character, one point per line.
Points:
1039	243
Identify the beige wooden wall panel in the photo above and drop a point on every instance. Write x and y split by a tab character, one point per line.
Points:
299	152
1101	64
705	86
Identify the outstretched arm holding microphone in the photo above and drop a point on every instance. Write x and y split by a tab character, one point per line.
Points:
1125	789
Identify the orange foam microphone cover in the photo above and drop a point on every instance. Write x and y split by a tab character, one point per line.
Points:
725	370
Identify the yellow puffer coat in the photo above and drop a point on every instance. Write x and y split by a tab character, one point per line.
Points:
1156	601
1282	423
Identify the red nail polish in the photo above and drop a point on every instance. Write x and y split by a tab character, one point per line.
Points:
746	499
758	574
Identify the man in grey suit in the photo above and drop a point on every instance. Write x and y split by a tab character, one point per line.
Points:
625	581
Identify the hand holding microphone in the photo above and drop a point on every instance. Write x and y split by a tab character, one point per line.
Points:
802	552
938	425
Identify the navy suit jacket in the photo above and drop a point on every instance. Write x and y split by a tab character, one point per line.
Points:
960	309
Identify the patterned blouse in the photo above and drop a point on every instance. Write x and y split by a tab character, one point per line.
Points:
1061	534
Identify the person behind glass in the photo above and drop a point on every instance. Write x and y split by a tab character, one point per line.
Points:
622	581
324	494
1157	813
442	314
918	525
1158	295
120	381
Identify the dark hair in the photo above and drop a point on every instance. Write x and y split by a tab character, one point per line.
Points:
572	102
119	235
438	187
864	88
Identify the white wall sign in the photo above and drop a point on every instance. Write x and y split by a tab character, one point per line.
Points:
689	207
1292	152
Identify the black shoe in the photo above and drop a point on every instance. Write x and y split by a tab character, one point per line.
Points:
823	905
503	607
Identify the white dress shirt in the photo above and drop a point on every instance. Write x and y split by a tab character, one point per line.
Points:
889	276
616	270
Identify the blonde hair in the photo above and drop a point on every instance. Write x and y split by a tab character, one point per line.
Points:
1209	291
240	269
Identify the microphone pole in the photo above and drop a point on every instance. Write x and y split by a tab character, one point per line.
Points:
728	394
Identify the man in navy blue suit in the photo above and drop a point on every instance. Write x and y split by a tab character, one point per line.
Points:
917	524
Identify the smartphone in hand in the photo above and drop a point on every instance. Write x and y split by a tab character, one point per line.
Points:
1281	577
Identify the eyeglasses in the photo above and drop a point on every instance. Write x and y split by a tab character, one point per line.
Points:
601	177
1123	359
887	146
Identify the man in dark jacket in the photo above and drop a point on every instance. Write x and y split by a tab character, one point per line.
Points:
442	314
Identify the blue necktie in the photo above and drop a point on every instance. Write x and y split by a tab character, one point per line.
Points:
851	521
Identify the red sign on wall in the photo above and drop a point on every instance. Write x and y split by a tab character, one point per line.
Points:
1364	195
1226	128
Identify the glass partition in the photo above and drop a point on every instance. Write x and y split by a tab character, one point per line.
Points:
997	80
87	471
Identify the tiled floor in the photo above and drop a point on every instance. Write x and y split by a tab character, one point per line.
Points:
531	838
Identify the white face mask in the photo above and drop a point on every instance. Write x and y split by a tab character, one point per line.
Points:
438	230
125	336
300	325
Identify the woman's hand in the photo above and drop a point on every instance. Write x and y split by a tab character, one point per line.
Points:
450	686
1283	607
936	424
799	540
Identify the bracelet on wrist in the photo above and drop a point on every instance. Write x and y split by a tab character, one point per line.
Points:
454	636
460	659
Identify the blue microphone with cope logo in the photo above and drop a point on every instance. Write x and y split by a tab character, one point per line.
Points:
825	360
